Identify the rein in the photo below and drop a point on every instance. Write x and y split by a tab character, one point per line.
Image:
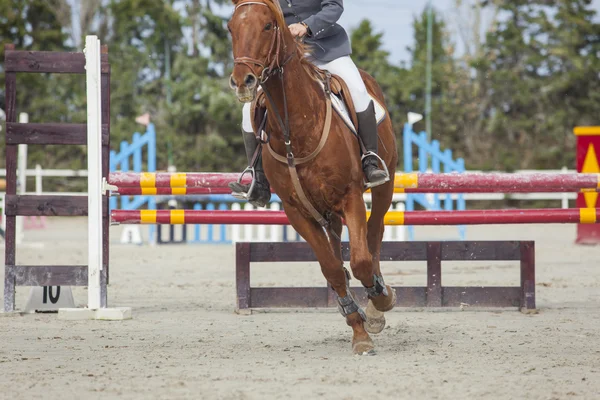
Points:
274	68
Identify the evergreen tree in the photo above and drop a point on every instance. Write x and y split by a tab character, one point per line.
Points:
573	91
368	55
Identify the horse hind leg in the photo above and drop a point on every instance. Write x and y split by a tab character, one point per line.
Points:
382	298
329	254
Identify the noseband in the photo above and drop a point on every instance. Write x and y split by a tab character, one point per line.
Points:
268	68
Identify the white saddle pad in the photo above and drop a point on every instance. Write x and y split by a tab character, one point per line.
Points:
340	107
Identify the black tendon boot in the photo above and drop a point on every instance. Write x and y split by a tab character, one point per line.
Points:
258	192
367	130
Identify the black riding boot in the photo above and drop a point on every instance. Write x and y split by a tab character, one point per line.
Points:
261	192
367	130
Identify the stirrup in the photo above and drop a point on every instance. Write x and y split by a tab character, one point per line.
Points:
242	195
368	184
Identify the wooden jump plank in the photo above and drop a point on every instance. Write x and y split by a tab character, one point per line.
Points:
434	275
47	134
61	134
49	275
433	295
51	206
528	275
488	251
322	297
48	62
105	94
394	251
11	189
301	251
476	296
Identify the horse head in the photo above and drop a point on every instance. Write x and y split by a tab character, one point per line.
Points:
259	35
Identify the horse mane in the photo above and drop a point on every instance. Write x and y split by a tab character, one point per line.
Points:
301	48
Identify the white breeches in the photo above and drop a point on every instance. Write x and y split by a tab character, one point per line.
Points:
345	68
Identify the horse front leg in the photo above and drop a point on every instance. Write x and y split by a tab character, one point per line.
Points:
364	259
332	266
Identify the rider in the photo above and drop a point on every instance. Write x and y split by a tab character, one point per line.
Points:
316	22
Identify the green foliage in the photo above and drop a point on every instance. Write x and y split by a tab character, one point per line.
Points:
368	55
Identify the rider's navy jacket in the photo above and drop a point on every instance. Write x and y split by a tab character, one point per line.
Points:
328	40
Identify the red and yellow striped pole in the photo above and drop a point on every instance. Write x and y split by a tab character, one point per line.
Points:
588	144
469	217
412	182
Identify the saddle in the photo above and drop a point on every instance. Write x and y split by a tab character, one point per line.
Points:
338	87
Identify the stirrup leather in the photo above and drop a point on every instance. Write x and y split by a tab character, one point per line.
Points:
368	184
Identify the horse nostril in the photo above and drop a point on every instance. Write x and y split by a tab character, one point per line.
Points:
232	82
250	80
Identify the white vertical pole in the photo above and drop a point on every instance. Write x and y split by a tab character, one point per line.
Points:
38	179
22	159
276	231
94	147
236	231
22	179
389	231
400	234
565	196
248	228
261	232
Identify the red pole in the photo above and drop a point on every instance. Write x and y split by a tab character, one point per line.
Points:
176	217
175	180
471	217
426	183
505	182
134	191
484	217
164	191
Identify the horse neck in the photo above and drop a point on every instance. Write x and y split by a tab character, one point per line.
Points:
305	101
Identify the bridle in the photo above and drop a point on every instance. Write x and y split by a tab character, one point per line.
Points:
268	68
271	68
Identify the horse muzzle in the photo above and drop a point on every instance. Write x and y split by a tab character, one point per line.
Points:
246	90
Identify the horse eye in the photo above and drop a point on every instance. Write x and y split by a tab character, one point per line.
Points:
268	26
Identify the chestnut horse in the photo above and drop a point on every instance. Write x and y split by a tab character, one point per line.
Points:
331	184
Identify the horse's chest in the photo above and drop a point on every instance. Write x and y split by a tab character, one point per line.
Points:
324	190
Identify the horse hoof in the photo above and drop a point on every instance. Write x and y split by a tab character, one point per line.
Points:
375	319
385	303
364	348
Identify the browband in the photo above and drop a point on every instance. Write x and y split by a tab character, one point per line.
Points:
250	2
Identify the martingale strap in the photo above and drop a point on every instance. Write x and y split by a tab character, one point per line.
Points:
269	69
324	136
290	160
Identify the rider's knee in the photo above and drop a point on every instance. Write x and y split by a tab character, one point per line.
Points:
361	99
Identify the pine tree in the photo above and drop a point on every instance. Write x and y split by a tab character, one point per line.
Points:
368	54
